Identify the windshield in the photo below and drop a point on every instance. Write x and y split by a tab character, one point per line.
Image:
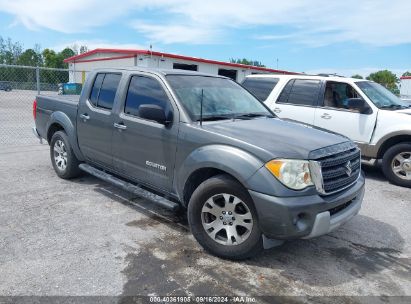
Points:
222	98
380	96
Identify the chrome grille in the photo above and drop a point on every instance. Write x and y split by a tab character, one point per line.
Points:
338	167
340	170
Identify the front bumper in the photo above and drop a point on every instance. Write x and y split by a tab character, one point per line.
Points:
307	216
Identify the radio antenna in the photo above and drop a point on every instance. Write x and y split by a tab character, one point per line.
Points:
201	107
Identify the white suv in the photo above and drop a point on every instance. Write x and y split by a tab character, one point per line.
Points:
366	112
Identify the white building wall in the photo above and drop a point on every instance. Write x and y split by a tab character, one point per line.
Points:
405	90
80	70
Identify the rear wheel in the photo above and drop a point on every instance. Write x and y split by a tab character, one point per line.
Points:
396	164
223	219
64	161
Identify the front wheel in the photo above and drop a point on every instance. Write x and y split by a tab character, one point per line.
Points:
396	164
223	219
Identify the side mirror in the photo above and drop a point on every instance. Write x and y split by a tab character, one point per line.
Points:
360	105
155	113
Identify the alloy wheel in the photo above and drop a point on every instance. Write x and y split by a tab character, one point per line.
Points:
401	165
227	219
60	155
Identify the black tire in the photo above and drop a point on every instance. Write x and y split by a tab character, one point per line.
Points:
71	168
216	185
387	164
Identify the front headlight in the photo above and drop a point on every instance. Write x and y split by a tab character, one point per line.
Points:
294	174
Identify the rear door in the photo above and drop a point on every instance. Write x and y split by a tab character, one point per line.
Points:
260	87
335	115
95	120
145	150
298	100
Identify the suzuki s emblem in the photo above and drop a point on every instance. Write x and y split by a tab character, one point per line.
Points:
348	168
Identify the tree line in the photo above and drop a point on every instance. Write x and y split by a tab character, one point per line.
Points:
386	78
13	53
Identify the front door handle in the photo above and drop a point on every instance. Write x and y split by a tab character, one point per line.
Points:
326	116
84	116
277	110
120	126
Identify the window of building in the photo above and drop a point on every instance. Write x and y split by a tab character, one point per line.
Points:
228	73
184	66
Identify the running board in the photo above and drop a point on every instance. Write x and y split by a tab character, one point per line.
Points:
129	187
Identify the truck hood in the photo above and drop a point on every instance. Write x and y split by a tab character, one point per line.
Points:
274	138
405	111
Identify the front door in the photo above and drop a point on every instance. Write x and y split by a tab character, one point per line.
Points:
145	150
95	120
334	113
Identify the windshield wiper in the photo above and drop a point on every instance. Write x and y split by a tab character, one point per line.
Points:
214	117
252	115
395	106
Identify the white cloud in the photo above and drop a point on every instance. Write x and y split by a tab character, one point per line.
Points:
312	23
96	44
69	16
168	34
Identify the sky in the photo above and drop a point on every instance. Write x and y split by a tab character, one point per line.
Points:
344	37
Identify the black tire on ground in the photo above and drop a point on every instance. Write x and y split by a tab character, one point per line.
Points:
71	169
387	162
216	185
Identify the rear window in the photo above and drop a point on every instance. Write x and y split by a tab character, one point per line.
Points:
260	87
96	89
301	92
104	90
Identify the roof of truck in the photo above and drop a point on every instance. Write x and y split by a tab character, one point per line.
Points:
301	76
158	71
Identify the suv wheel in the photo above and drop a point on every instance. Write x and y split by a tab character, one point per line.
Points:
396	164
223	219
65	163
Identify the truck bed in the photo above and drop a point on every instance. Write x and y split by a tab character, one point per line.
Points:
47	105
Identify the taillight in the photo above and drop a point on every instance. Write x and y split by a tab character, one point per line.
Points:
34	108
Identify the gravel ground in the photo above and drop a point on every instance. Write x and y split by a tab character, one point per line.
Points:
85	237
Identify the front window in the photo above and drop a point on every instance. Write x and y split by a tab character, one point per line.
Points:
380	96
338	94
221	98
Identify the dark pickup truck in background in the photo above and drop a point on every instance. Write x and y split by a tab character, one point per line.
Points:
247	179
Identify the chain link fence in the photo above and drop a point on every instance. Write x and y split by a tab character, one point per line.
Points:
19	86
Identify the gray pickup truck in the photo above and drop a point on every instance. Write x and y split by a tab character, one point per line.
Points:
247	179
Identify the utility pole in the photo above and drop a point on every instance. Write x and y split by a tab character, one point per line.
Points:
277	63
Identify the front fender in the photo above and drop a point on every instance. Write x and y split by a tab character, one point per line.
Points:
234	161
65	122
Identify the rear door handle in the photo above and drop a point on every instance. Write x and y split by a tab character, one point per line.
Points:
326	116
277	110
120	126
84	116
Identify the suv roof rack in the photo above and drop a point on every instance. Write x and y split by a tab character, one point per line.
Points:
329	75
